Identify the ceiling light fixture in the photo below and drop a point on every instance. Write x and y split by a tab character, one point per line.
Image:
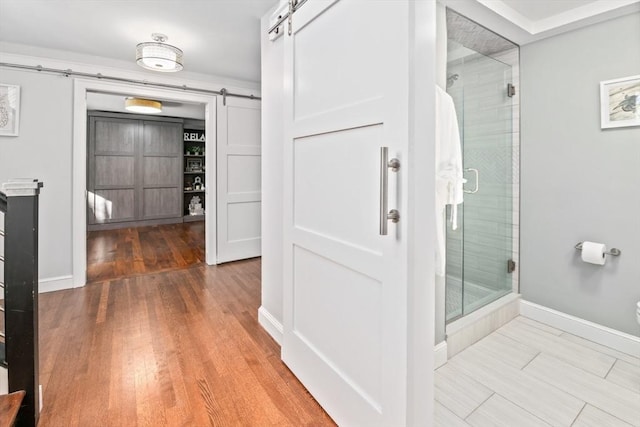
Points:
143	106
158	56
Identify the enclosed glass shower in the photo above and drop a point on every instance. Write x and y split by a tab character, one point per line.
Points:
482	253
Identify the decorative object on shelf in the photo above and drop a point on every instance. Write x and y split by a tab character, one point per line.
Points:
195	206
9	110
194	136
159	56
197	183
620	102
194	165
142	106
194	150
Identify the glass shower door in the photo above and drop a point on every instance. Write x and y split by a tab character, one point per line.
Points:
479	252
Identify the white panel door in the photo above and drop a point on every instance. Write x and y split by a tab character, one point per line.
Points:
346	286
238	187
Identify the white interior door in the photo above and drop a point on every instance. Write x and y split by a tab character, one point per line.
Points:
238	171
346	286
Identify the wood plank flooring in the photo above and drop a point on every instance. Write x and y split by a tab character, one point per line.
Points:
176	348
529	374
127	252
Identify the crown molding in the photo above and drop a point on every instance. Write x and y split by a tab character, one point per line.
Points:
509	23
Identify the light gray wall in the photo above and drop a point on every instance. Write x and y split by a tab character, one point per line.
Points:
579	182
43	151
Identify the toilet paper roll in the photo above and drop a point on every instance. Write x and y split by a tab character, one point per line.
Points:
594	253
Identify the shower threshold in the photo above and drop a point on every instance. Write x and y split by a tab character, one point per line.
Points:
474	326
475	297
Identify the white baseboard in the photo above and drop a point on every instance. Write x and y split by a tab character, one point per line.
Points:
583	328
270	324
55	284
440	354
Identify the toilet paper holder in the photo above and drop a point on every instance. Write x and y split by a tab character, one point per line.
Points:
612	251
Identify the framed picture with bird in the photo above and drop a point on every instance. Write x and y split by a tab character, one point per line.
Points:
620	102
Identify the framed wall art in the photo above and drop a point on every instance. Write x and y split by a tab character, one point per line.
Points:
9	110
620	102
194	165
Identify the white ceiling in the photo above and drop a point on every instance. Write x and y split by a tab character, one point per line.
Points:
525	21
218	37
221	37
536	10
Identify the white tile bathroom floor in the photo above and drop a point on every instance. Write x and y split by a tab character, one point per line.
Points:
529	374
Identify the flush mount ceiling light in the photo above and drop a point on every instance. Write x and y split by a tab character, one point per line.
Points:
143	106
158	56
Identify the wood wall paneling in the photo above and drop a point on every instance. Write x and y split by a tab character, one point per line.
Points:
113	135
134	169
162	138
113	205
114	171
161	171
161	203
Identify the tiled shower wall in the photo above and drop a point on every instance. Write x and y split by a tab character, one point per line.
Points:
489	124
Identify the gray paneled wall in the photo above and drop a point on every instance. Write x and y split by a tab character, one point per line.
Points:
134	169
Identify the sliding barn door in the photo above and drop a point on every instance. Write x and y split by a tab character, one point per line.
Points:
345	280
238	171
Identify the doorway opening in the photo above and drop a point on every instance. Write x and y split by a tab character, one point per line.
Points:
146	192
84	93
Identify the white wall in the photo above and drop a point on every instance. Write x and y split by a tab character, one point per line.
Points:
272	181
43	151
580	182
44	148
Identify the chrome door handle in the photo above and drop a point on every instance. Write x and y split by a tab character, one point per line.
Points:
477	187
385	165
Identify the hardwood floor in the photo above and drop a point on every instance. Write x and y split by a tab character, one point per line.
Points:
176	348
127	252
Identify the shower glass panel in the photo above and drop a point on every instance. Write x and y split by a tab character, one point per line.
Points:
480	250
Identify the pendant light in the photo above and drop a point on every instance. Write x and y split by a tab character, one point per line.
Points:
142	106
158	56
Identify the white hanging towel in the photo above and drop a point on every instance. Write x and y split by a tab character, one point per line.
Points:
449	179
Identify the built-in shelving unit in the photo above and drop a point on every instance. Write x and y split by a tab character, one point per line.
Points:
194	170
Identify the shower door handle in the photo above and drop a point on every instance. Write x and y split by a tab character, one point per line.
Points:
385	165
477	187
